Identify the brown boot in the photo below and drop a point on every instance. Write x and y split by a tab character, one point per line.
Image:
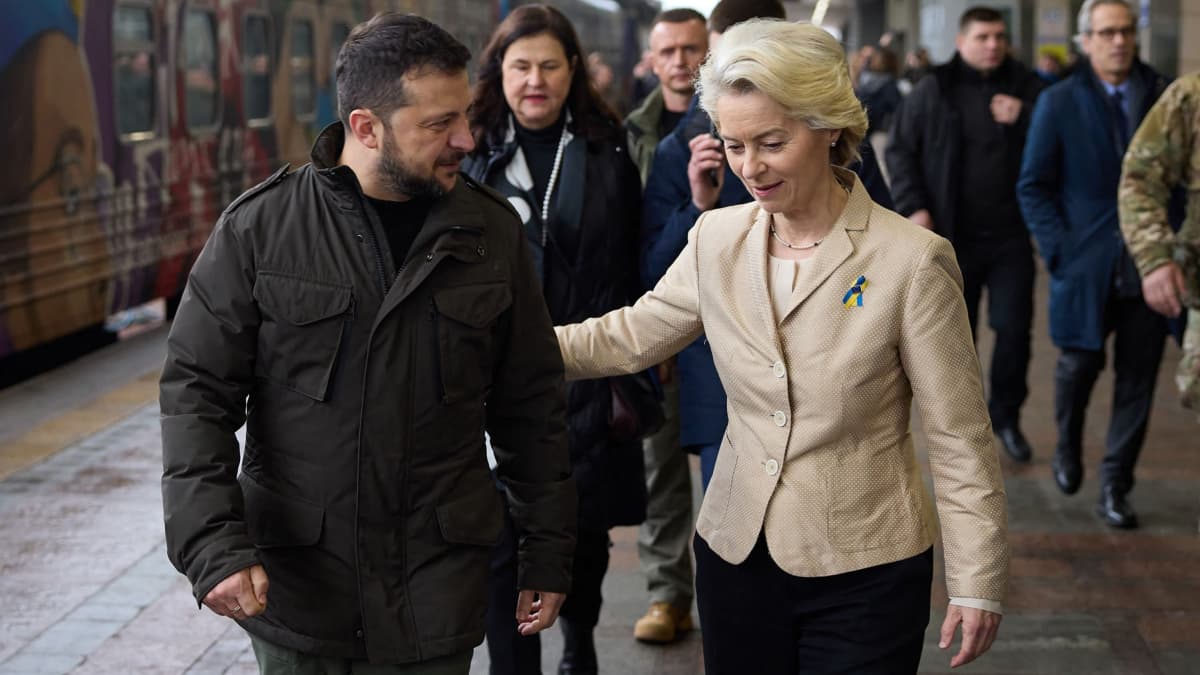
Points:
662	624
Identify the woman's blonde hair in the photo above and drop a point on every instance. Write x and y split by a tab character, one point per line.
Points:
799	66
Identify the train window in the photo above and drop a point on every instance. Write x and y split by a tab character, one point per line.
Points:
337	37
201	74
256	69
304	85
133	70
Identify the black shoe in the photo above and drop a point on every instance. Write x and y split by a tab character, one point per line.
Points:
1068	473
1115	510
1014	443
579	650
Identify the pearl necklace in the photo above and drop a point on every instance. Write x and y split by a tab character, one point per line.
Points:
792	246
558	155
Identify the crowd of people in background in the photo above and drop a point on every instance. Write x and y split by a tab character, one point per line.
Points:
728	240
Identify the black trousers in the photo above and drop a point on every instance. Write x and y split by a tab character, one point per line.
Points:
756	618
510	652
1005	267
1138	337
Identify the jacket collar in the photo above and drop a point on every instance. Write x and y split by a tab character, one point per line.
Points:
644	120
835	249
451	211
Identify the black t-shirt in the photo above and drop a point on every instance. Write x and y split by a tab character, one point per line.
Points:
668	121
540	147
401	223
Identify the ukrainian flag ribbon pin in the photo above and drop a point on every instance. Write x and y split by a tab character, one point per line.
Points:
854	296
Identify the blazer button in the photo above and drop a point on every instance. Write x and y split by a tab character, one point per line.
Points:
780	418
772	467
779	369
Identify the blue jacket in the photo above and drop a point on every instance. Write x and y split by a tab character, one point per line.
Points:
667	217
1068	194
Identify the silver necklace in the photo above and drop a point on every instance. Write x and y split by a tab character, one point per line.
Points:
792	246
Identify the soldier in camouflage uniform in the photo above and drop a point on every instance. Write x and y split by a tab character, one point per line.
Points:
1164	154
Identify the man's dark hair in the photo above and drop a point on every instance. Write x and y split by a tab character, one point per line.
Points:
979	15
373	61
678	15
729	13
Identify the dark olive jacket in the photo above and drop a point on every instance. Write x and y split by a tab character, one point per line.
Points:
366	386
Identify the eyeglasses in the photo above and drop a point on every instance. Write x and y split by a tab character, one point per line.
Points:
1110	34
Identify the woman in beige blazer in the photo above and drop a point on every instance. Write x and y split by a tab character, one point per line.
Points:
828	316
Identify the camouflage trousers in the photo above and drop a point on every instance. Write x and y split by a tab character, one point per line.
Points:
1188	375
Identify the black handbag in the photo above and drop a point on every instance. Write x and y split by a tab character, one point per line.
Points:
636	408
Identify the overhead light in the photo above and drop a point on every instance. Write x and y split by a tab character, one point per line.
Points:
818	14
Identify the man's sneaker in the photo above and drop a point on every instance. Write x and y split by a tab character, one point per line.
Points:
663	623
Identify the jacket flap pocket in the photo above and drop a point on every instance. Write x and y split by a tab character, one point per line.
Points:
475	519
300	301
275	520
476	305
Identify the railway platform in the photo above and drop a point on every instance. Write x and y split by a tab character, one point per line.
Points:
85	586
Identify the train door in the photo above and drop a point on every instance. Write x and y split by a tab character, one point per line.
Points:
294	94
203	113
337	19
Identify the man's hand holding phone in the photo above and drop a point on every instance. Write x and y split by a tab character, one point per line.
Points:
706	170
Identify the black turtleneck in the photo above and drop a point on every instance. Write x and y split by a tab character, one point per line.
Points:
540	146
401	223
991	162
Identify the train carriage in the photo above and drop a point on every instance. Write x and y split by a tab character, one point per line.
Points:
130	124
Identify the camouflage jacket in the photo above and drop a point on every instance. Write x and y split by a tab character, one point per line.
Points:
1164	154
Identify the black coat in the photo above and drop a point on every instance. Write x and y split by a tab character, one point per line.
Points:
589	266
924	153
364	490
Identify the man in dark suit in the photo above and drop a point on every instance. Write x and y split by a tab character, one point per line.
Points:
1068	192
954	157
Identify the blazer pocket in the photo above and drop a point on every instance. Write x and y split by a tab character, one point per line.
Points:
303	324
275	521
870	504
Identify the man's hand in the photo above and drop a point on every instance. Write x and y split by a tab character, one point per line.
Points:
706	162
978	632
1162	288
241	595
1006	109
666	371
537	611
923	219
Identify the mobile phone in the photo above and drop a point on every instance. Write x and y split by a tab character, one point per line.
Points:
700	123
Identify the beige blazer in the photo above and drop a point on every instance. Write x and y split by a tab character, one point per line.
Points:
818	452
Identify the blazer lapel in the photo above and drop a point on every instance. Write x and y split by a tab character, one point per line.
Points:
756	248
837	246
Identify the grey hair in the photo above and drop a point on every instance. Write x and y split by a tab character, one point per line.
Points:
1083	24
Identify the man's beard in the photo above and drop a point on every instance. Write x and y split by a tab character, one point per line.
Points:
402	180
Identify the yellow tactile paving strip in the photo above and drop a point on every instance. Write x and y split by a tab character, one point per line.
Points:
55	434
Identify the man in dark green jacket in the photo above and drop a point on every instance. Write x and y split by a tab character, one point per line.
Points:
367	317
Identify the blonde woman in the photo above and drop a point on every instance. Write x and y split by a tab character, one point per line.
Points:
827	315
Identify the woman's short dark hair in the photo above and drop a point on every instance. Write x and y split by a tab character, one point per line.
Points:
373	61
592	116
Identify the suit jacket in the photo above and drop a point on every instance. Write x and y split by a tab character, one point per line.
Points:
818	452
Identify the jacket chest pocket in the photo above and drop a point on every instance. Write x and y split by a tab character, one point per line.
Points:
303	324
463	317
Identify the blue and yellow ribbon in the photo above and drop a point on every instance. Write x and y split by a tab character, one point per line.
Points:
854	296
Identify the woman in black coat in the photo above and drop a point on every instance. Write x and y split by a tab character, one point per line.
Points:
548	142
